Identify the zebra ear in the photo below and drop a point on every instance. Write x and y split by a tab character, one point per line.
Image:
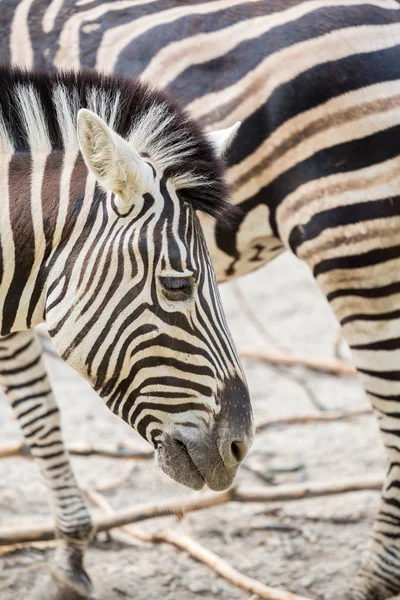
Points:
114	163
223	138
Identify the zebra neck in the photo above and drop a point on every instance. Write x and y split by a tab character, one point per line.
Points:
38	215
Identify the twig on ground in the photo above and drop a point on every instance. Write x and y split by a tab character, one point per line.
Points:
268	474
332	415
162	509
24	546
275	527
325	364
193	548
345	520
22	450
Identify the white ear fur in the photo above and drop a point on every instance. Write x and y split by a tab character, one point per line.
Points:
114	163
223	138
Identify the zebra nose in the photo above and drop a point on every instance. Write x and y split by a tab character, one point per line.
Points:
234	423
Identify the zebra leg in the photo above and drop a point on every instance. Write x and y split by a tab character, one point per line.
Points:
25	381
379	577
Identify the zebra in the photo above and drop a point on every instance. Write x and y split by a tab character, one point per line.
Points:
314	167
101	179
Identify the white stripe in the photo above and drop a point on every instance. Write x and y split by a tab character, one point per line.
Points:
6	143
20	41
66	103
33	118
35	206
50	15
69	160
7	237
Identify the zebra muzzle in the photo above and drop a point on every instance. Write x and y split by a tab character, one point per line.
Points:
212	456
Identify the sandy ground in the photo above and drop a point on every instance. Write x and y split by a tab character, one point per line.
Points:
319	551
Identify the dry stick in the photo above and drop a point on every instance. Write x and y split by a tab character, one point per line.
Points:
326	364
4	550
22	450
331	415
197	502
215	562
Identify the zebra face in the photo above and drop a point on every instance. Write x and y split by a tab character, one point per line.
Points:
149	332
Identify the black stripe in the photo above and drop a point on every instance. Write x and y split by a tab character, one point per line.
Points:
358	261
388	316
390	344
173	409
20	167
386	375
16	352
20	369
26	383
144	423
375	292
351	214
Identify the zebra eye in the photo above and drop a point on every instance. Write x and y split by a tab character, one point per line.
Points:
177	288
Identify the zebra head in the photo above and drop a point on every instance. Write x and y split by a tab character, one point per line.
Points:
145	323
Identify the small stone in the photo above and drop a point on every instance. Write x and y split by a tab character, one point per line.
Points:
307	581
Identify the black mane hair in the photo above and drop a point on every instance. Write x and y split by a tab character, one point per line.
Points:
155	123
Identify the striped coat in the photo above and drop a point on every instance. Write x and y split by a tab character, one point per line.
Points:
315	167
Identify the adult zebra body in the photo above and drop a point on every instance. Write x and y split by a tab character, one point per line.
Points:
102	242
315	167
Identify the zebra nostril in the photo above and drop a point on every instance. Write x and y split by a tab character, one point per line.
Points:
238	450
180	444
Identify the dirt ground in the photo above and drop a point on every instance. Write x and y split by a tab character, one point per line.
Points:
320	548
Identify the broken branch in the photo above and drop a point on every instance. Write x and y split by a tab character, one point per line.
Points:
162	509
326	364
119	451
331	415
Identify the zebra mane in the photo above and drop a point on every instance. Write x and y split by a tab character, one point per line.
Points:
38	112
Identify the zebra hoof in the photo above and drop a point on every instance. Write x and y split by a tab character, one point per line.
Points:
56	586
